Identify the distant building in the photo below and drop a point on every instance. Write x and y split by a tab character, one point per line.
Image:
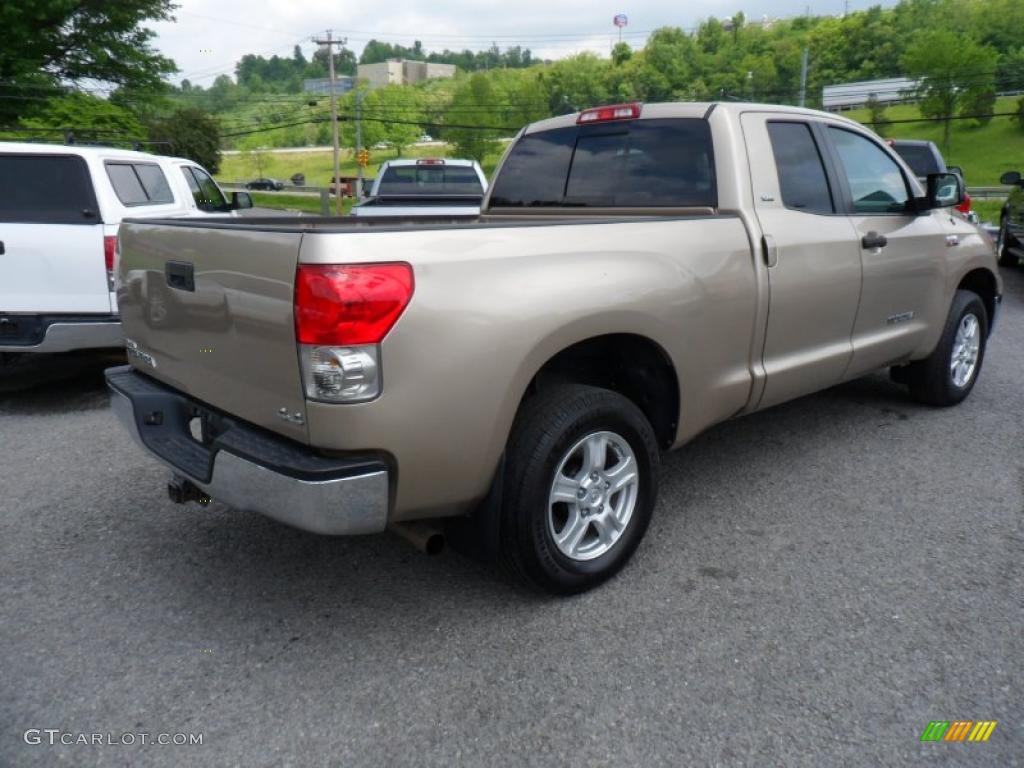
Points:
853	95
343	84
402	72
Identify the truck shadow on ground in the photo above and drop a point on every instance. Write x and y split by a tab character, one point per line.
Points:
236	569
44	384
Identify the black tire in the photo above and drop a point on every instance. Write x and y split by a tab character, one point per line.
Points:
931	380
546	429
1006	258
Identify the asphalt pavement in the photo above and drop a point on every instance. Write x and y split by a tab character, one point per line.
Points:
820	582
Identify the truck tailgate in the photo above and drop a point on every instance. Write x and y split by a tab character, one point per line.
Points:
209	312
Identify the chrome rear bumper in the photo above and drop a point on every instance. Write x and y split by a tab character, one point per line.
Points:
250	469
69	336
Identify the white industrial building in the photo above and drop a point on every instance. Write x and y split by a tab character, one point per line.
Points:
853	95
402	72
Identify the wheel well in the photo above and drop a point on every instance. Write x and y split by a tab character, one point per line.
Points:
983	283
634	366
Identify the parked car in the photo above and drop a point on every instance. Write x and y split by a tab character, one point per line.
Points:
639	273
298	179
382	145
425	187
425	138
1010	245
924	158
60	212
272	185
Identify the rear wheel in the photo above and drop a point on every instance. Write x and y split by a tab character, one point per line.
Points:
580	485
948	375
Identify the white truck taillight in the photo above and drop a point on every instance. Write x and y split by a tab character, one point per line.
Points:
109	250
342	312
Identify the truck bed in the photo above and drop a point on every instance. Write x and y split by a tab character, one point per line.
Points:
399	223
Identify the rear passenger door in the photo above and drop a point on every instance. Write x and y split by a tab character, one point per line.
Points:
811	253
52	258
903	253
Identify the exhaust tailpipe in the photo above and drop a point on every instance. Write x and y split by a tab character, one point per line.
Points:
422	535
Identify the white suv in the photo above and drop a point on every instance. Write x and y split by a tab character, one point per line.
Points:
60	209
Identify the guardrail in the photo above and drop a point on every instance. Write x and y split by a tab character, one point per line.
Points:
988	193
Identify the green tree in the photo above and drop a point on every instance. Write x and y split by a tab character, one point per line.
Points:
191	132
877	111
621	53
955	74
56	42
87	117
398	112
474	98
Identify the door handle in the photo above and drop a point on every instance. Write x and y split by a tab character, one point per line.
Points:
873	240
2	249
180	275
769	250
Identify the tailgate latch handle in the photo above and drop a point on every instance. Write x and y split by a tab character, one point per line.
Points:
180	275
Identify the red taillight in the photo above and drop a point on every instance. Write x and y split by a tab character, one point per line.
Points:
611	112
109	253
965	206
339	304
109	247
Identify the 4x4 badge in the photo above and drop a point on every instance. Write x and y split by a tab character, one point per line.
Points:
294	418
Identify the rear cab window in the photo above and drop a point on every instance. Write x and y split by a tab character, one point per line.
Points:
139	183
653	163
50	189
430	179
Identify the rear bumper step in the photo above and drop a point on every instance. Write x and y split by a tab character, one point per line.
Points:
58	333
249	468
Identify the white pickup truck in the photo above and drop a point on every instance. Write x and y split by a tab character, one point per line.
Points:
427	187
60	210
639	274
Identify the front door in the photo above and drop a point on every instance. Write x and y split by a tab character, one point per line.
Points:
903	253
812	256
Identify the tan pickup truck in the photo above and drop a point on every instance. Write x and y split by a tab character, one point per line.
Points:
638	274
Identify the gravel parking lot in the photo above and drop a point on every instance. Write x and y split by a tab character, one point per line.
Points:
820	581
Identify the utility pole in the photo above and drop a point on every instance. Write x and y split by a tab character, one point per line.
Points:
359	144
330	42
803	78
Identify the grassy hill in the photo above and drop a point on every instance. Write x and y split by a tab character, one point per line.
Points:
984	152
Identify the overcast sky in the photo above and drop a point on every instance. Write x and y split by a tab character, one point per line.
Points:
209	36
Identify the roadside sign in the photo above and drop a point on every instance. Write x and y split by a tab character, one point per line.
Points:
620	20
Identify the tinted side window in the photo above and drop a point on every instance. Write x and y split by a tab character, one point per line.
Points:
876	182
641	163
139	183
205	192
52	189
126	184
154	182
802	178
